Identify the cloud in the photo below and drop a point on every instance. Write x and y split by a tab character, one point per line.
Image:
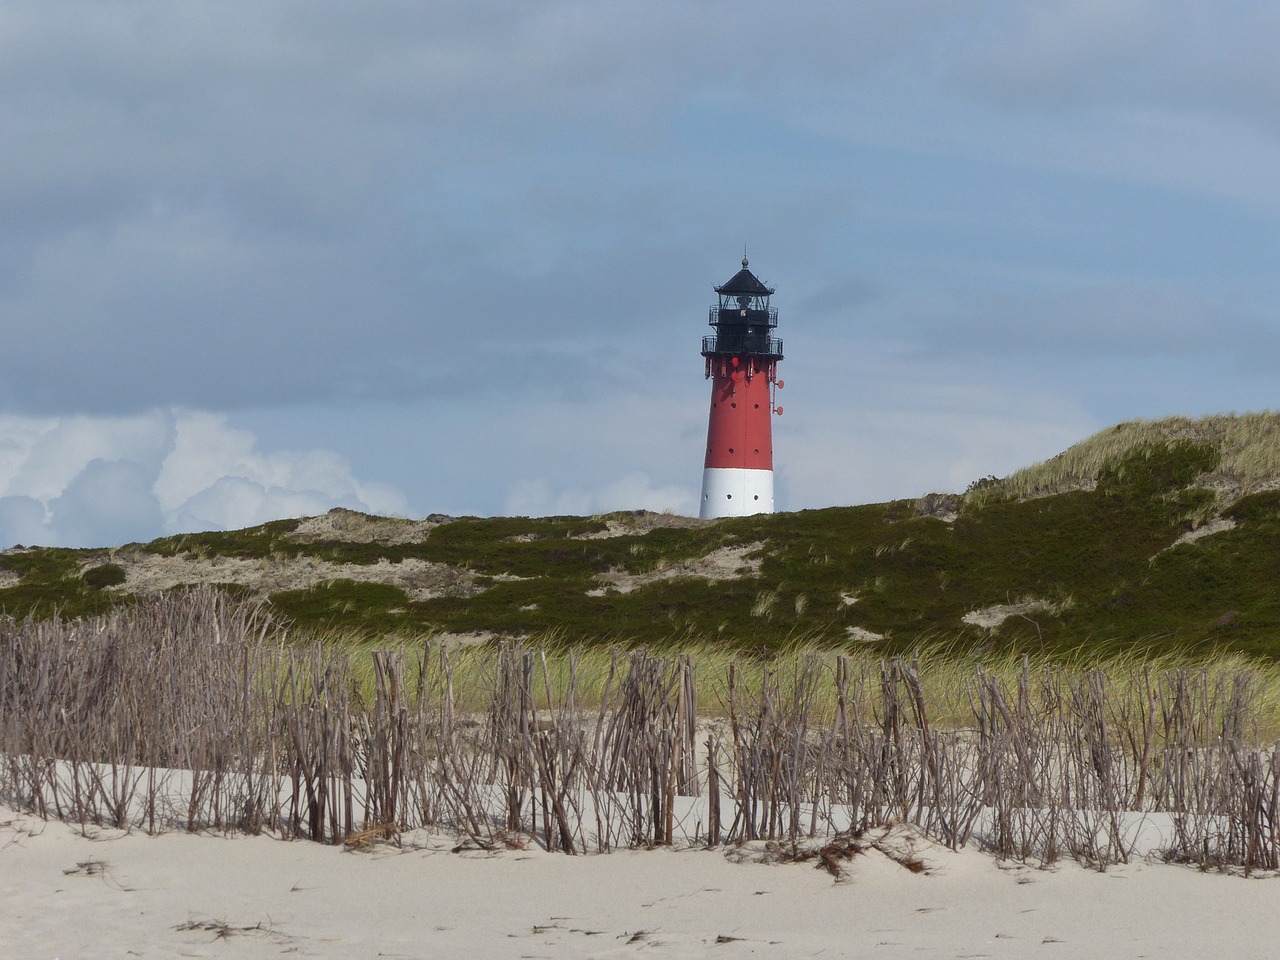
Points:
891	454
498	225
22	520
87	482
634	491
42	456
265	204
109	502
881	422
1087	324
1175	54
214	477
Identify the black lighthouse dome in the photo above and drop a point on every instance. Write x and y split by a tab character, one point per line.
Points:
744	283
743	319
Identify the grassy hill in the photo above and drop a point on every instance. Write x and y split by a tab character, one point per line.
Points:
1152	535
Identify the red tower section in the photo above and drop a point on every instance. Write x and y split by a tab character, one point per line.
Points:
742	363
739	431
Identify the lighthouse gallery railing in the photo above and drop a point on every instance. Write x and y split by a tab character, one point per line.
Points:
748	343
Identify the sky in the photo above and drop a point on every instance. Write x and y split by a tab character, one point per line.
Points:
260	259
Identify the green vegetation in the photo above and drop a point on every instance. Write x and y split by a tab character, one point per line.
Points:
1082	555
105	575
360	607
264	541
51	584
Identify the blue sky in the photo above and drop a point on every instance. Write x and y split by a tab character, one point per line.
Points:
262	259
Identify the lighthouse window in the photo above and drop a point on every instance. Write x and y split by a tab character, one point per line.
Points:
756	497
757	406
731	449
757	450
734	405
728	496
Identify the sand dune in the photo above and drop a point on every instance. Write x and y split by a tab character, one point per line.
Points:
104	893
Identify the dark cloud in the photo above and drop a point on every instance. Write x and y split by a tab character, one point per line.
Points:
247	204
1159	54
497	226
1087	325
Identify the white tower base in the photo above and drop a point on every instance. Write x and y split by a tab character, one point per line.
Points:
735	492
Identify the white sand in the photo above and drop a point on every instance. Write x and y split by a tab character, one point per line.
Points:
203	896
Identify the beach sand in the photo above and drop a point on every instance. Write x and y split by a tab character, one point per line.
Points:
64	894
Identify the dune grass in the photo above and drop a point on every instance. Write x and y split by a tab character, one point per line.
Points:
948	671
201	712
1247	447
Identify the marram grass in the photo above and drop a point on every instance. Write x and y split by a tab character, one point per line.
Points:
1248	447
586	750
947	671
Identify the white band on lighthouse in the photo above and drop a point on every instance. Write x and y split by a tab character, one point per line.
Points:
735	492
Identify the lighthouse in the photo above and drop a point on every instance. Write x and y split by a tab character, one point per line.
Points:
742	364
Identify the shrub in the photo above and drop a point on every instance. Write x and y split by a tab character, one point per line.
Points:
105	575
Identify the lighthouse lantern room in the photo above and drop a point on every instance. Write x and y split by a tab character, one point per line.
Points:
742	363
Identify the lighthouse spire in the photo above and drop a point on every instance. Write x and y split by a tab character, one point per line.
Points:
741	359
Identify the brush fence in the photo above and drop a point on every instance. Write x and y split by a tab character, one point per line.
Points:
188	712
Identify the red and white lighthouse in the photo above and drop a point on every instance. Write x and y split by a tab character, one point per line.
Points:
742	363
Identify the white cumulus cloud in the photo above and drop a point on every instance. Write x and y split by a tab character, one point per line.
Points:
102	481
